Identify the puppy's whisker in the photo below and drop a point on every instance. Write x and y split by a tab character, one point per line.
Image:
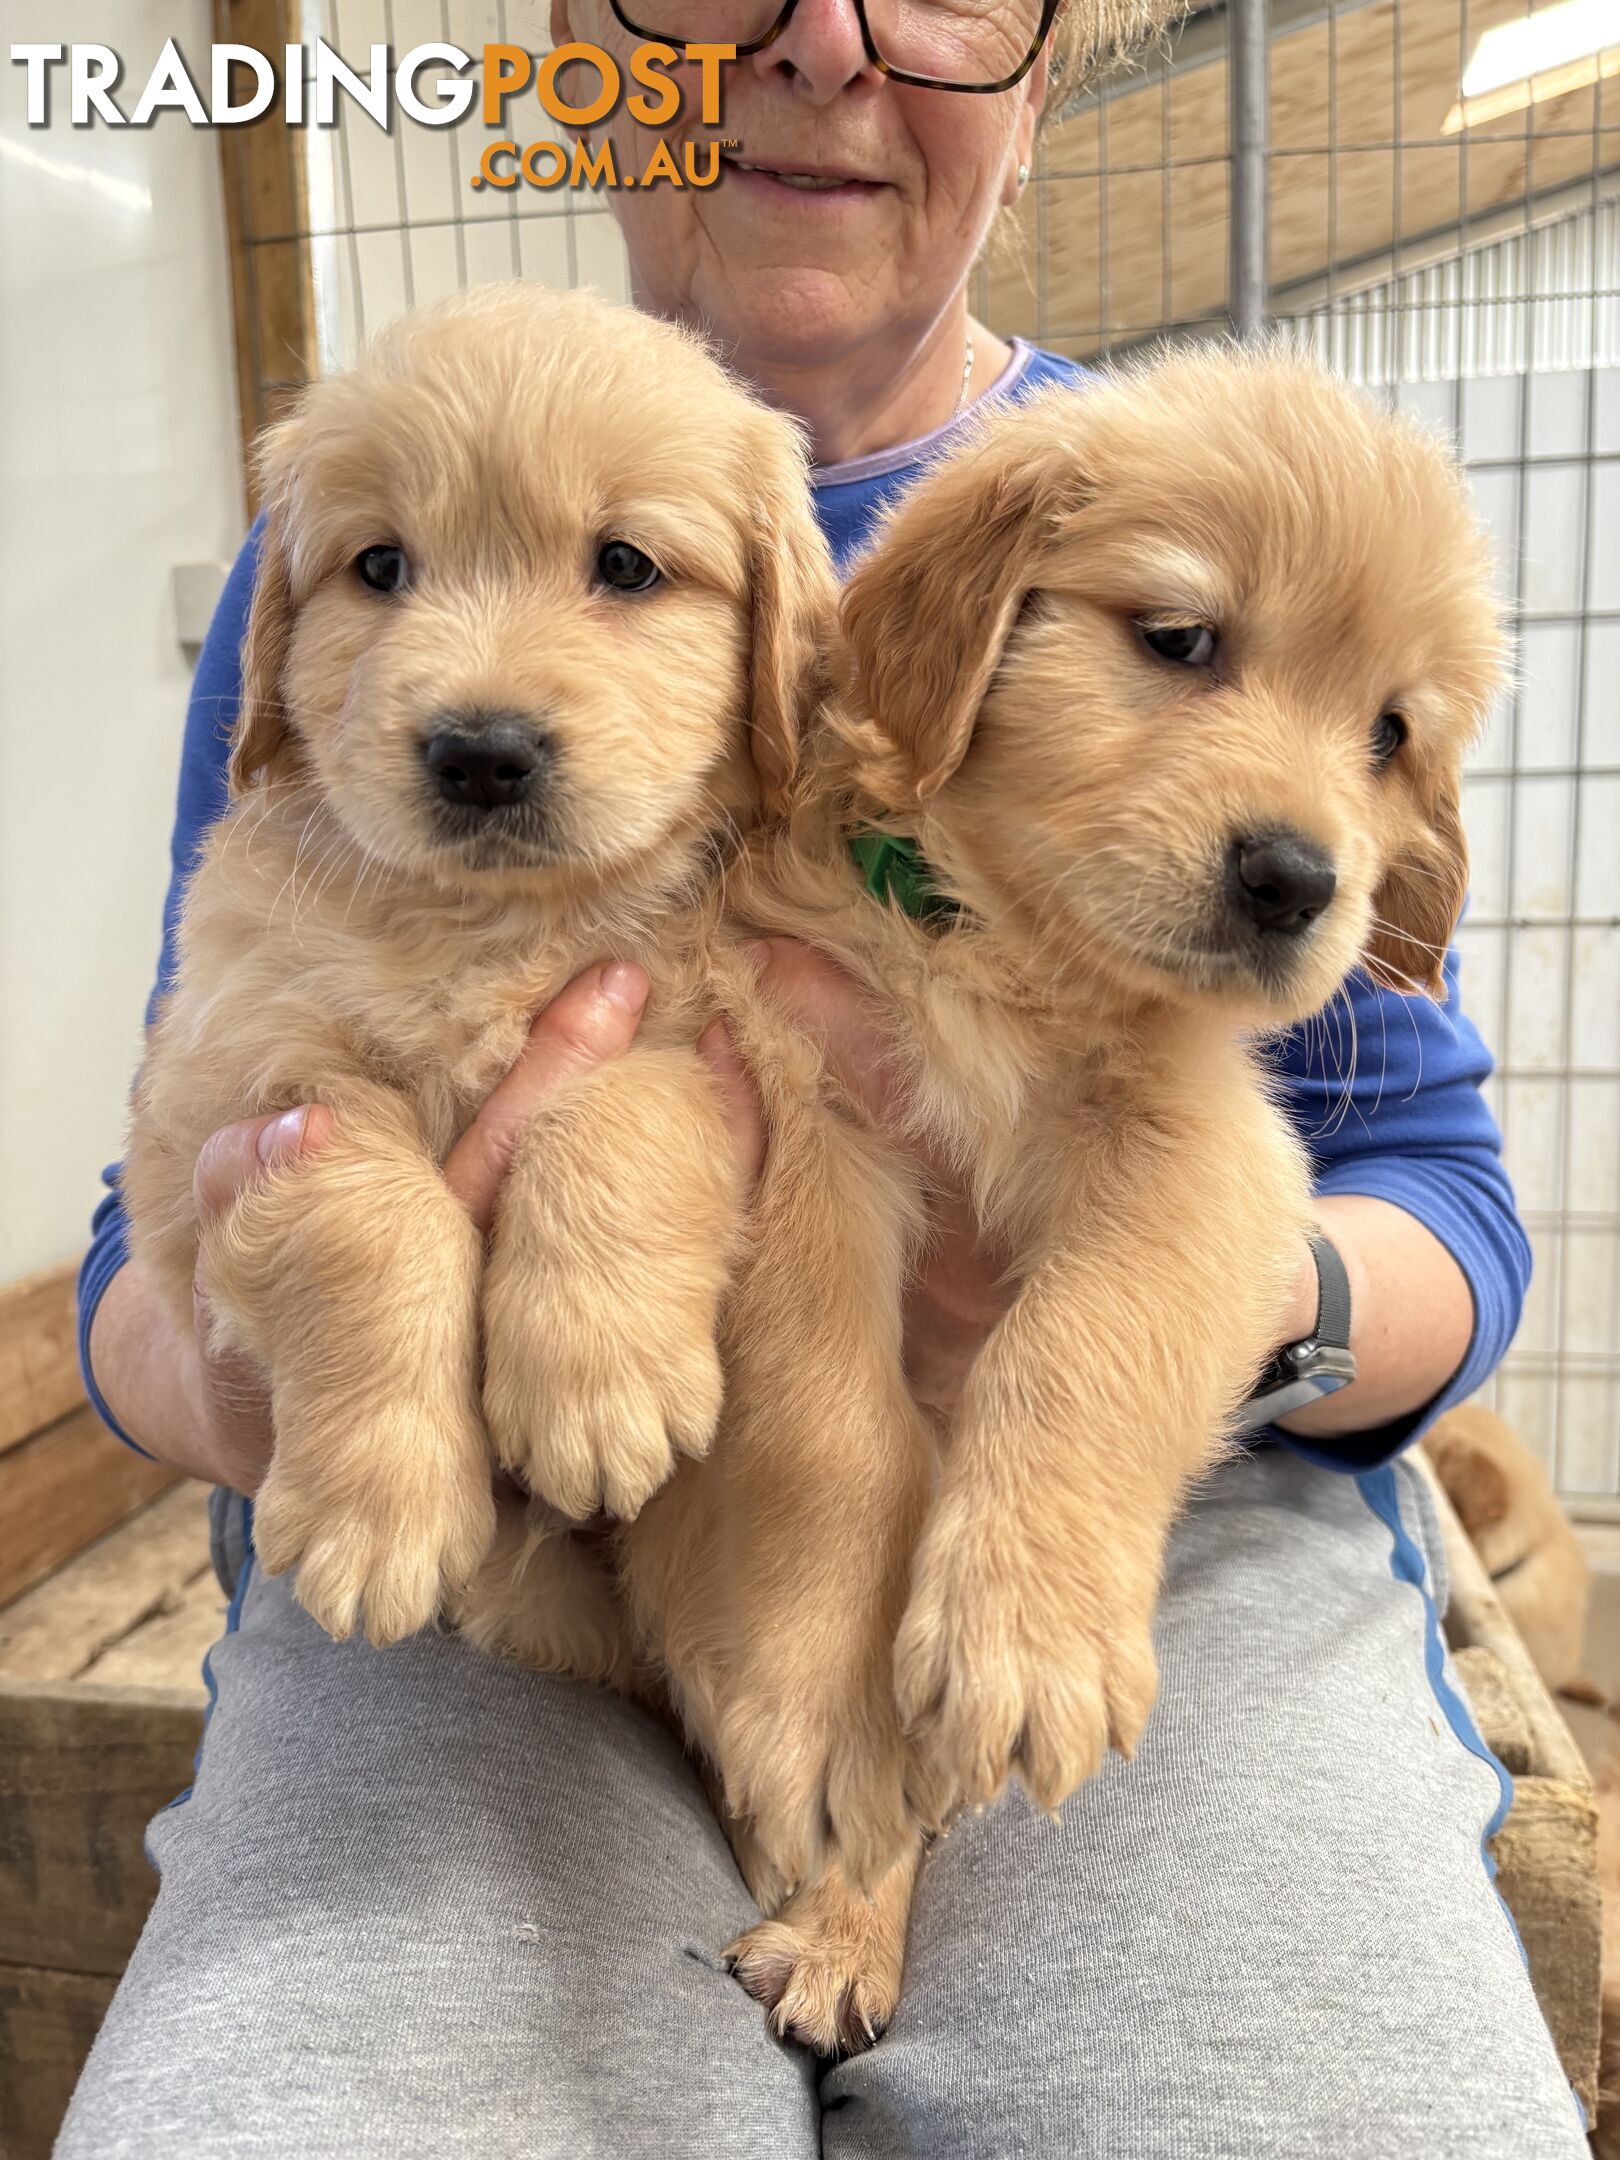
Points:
334	858
1411	992
369	863
1406	937
332	866
292	875
1408	984
1347	1099
1409	868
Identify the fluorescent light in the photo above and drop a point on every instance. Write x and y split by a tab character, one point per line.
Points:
1531	44
1535	58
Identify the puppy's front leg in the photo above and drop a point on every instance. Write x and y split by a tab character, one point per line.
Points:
828	1964
1102	1394
353	1279
825	1470
827	1959
617	1225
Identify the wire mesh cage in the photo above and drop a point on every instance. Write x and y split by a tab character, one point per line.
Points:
1461	182
1427	194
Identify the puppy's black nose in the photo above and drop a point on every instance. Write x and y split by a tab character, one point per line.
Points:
485	763
1282	881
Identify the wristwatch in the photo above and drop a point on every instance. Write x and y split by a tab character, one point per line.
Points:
1320	1364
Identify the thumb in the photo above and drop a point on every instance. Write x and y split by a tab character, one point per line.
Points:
238	1155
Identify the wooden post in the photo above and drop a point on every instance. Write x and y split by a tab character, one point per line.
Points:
1546	1851
267	228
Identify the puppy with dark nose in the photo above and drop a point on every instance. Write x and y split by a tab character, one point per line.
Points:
1282	883
531	649
481	763
1168	683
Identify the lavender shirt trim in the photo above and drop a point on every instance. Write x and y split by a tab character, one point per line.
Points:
888	461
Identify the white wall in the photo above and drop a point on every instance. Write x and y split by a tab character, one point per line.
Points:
119	458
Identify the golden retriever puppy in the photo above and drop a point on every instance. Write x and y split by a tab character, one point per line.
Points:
1525	1540
536	626
1169	681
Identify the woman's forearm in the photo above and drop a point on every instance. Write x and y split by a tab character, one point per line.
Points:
149	1371
1412	1315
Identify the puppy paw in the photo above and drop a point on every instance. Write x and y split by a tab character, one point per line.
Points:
827	1969
1004	1664
379	1543
594	1419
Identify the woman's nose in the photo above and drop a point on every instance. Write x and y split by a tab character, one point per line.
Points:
820	49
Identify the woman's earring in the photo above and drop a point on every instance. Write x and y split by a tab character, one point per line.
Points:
1023	176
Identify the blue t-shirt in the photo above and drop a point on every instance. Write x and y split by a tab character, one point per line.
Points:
1403	1120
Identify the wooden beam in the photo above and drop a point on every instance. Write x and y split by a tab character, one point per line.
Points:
39	1360
1546	1851
62	1489
1477	1619
83	1769
1546	1871
168	1648
47	2022
144	1568
266	224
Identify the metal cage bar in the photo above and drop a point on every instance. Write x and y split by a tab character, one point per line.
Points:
1248	89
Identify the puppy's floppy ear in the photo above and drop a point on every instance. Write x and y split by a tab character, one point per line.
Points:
1422	895
794	598
263	731
929	609
1476	1485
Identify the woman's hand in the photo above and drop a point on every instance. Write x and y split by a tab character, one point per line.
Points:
209	1416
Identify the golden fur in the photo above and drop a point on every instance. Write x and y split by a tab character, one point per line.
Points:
1082	1040
1525	1540
859	1627
339	944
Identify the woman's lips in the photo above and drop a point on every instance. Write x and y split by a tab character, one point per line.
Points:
799	184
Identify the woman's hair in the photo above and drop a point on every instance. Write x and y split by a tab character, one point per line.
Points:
1088	38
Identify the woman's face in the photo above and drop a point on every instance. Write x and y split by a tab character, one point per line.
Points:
791	276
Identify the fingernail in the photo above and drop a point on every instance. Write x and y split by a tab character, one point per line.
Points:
625	985
282	1137
757	952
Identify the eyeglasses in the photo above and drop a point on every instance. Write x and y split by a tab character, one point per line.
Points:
972	45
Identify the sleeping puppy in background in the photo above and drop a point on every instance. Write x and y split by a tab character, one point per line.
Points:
539	604
1170	682
1525	1540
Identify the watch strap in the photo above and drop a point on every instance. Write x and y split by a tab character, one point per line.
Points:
1332	1294
1317	1365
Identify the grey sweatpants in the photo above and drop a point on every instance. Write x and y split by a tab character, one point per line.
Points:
421	1904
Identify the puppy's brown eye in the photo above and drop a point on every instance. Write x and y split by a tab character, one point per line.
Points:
1389	732
625	568
1186	644
384	569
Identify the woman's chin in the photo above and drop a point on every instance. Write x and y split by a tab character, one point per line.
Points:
788	314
